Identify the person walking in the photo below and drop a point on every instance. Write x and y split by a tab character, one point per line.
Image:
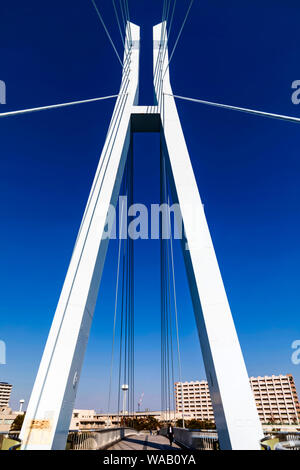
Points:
170	434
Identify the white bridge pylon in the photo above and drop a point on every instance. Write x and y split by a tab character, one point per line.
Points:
49	412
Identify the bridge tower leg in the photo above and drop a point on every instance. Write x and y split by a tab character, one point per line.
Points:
233	403
50	408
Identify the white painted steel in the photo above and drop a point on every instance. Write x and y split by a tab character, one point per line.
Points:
51	404
233	402
50	408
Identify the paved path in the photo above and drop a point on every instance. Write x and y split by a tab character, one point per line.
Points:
144	442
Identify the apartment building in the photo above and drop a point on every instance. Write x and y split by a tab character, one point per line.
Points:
5	391
275	397
196	401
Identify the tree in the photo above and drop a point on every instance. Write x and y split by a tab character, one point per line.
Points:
17	424
142	424
196	424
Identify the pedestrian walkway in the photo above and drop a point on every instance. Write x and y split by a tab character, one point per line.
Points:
144	442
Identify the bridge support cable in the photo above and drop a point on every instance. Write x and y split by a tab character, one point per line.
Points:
176	318
106	31
128	35
125	18
118	22
169	322
126	342
282	117
158	60
115	312
163	47
53	106
127	15
164	293
179	35
157	79
166	342
131	287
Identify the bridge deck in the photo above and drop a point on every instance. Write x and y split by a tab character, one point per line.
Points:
144	442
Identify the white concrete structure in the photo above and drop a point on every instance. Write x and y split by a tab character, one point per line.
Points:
124	390
50	408
22	401
233	403
88	417
52	400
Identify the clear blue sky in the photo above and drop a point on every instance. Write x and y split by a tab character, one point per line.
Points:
247	169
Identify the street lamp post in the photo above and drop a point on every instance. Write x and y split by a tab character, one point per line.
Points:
125	389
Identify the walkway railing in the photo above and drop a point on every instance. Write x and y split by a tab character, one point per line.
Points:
96	439
281	441
194	438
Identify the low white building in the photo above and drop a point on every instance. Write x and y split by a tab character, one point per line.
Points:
89	419
7	417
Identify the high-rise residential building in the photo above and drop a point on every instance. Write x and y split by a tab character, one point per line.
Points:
275	397
5	391
196	400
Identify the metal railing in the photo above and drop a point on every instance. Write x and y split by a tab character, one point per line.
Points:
96	439
281	441
288	445
194	438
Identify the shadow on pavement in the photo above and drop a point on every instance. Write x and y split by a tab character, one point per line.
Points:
146	443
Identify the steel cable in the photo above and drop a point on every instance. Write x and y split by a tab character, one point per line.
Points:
53	106
238	108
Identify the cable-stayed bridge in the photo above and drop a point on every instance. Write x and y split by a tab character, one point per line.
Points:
49	412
